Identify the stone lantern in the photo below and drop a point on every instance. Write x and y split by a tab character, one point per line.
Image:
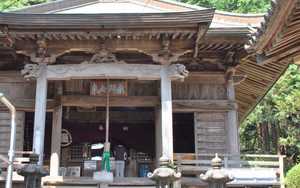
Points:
33	172
165	175
216	177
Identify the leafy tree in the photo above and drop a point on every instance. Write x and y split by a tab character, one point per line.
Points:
239	6
274	125
14	4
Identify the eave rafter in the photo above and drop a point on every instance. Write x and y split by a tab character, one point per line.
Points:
143	33
278	34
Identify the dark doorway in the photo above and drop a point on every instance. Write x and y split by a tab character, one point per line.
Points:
183	131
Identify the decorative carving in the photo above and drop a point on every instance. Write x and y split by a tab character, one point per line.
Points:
177	71
103	56
31	71
202	29
232	76
165	56
6	40
41	48
231	59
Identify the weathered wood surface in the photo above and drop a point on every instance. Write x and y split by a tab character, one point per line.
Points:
27	105
166	117
233	142
210	136
193	90
203	105
129	101
40	113
105	71
5	131
56	141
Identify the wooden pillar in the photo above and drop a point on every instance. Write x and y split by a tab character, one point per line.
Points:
56	141
158	136
232	123
40	112
166	114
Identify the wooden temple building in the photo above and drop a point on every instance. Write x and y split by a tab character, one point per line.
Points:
181	78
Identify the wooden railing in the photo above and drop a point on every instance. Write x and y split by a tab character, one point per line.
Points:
190	163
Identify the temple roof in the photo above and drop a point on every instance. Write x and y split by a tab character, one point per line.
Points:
221	19
271	49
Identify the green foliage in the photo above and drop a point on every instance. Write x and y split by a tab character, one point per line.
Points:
280	109
239	6
292	179
6	5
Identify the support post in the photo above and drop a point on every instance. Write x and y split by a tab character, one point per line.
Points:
55	141
158	135
232	123
166	114
281	171
40	112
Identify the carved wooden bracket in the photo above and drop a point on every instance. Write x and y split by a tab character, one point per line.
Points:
231	59
31	71
6	40
166	56
202	29
232	76
177	72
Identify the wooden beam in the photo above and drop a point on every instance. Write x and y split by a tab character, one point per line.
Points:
103	70
129	101
203	105
27	105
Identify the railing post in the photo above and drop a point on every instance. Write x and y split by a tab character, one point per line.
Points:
281	169
226	161
12	144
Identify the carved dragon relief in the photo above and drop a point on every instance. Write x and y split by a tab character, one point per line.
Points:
177	72
31	71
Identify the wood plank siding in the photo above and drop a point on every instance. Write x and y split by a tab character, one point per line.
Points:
5	123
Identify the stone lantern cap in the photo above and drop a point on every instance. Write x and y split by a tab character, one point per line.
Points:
216	174
165	174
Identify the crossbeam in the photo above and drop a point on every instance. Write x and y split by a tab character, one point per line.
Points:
105	71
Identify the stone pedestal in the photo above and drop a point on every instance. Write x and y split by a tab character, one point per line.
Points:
165	175
33	173
216	177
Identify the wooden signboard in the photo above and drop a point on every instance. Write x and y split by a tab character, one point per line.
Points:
116	87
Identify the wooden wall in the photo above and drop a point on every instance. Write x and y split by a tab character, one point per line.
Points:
14	86
200	91
210	134
5	131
